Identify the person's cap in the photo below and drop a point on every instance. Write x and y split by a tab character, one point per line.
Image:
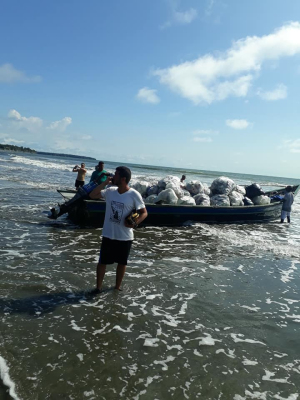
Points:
100	162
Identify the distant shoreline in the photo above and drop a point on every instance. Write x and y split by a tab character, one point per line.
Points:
10	147
65	155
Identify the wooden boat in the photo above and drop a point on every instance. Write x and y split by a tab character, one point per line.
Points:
91	212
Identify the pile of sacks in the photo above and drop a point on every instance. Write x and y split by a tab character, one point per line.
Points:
222	192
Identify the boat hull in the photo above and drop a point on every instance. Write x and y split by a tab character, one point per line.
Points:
92	212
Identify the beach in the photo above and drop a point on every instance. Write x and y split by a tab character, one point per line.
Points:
206	311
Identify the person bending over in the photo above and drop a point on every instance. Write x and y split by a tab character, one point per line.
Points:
117	234
288	200
81	171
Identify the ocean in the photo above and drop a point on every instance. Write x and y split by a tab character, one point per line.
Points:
206	311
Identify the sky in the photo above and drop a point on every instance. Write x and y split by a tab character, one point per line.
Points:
206	84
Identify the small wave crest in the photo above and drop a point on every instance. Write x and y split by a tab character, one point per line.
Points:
46	164
4	375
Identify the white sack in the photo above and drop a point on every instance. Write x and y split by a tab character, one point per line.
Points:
240	189
194	187
220	200
169	178
152	190
167	196
222	185
236	199
186	201
261	200
202	199
151	199
141	187
177	189
206	189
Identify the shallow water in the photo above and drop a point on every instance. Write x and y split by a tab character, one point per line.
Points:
207	311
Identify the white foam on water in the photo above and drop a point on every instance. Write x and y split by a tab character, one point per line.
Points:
196	352
208	340
45	164
255	309
80	356
230	353
151	342
4	375
286	274
269	374
293	396
164	362
249	362
253	241
252	395
118	328
219	267
237	339
88	394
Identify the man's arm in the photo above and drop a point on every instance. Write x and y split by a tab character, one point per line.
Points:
76	168
95	194
83	170
143	213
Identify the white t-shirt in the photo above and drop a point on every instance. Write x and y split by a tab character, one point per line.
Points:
118	207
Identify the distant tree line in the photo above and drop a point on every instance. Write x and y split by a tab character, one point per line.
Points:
11	147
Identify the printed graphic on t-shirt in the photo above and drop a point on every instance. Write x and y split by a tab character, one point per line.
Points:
116	212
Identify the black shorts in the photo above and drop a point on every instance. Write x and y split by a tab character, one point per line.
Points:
114	251
78	183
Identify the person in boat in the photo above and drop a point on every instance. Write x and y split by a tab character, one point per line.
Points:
182	182
82	194
117	234
99	169
81	171
288	200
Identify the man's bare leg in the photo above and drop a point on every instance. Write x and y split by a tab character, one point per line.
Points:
101	268
120	275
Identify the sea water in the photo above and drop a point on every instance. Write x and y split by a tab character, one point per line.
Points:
207	311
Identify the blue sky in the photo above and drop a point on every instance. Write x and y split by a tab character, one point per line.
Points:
200	84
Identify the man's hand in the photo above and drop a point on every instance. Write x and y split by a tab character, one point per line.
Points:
129	225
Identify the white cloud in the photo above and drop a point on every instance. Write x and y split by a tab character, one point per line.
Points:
147	95
292	145
277	94
180	17
8	74
86	137
209	7
32	124
61	125
215	77
237	123
185	17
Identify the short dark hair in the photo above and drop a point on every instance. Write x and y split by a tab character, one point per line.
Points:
100	162
124	172
289	188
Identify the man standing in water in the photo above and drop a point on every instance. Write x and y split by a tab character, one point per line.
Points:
117	233
81	171
288	200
